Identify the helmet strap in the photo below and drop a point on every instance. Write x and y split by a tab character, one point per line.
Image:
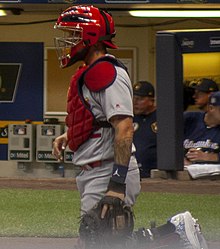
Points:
108	35
86	42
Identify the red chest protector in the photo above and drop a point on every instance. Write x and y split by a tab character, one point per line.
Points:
80	120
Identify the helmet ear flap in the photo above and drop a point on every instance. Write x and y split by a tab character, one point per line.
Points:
107	24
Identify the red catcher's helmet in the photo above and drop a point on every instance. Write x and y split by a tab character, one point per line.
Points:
83	27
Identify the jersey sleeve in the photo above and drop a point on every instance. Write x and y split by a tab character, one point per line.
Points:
117	98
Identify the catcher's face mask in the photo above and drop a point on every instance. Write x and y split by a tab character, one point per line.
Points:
88	26
68	45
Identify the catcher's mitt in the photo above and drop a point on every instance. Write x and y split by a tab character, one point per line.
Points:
112	231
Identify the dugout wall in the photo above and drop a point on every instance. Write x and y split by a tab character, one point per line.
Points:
21	86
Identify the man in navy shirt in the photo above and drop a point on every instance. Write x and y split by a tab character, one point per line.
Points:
202	133
145	127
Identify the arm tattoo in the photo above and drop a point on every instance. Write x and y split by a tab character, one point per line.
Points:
122	150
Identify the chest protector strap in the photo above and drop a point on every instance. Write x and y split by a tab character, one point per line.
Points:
80	120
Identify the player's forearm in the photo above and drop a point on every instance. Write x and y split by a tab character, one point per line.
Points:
210	157
123	140
194	155
122	150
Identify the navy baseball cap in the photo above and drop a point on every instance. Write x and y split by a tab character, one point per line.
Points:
206	85
214	98
144	89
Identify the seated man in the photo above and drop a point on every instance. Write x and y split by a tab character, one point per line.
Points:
202	134
145	127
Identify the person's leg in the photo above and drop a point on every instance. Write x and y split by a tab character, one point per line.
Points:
92	185
180	232
163	236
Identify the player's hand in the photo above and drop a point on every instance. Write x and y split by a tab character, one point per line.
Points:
186	162
59	145
108	206
197	155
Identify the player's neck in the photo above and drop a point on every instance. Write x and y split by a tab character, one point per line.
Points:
150	110
95	52
210	120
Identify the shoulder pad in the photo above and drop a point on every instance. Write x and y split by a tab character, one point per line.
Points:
100	76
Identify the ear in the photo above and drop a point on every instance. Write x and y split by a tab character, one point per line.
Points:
211	107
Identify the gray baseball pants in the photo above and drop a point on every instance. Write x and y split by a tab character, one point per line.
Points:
92	184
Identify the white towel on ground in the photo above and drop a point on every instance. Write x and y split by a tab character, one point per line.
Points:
200	170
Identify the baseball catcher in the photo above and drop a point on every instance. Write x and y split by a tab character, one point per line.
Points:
99	125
